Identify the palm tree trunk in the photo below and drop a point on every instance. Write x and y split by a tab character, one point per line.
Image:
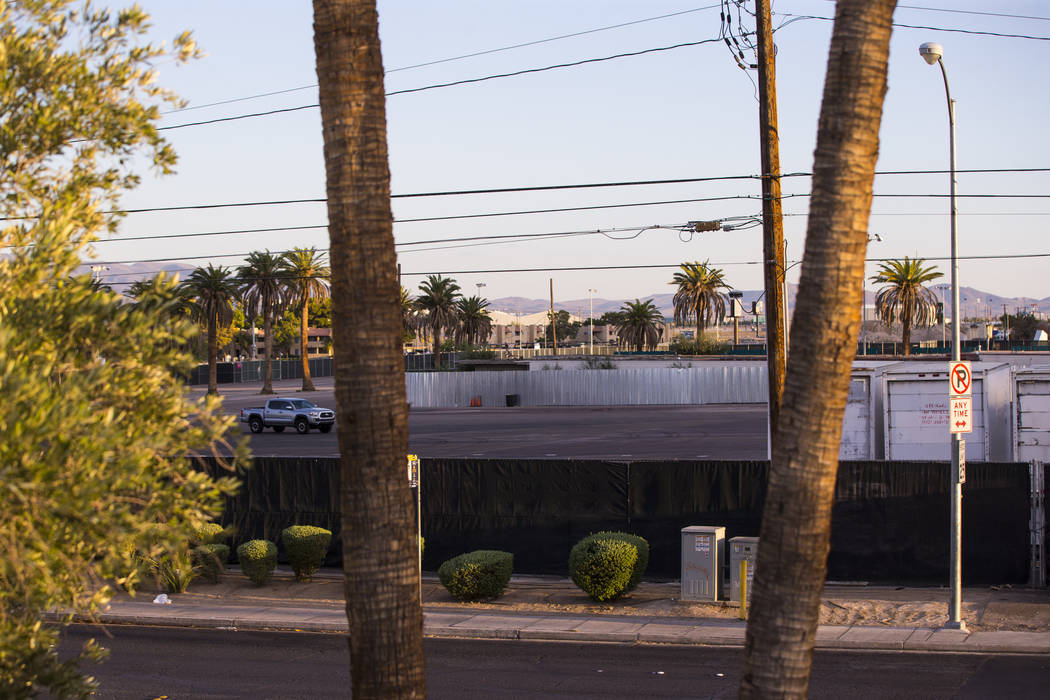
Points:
378	532
437	347
267	351
213	354
906	329
796	522
308	384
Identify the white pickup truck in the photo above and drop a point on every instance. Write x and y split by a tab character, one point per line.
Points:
281	413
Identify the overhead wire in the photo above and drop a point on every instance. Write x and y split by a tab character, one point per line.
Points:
460	57
584	268
902	25
465	81
547	188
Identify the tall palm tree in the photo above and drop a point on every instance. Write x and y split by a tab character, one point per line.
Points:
796	520
698	297
263	291
438	302
409	312
905	297
213	292
378	522
475	324
306	277
640	325
161	296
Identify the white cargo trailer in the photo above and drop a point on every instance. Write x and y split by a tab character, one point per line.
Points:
862	424
916	412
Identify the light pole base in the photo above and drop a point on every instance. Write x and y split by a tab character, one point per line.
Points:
960	625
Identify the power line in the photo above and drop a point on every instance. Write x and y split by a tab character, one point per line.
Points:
458	58
967	12
935	29
466	81
495	238
545	188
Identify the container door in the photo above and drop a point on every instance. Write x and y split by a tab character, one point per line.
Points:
917	411
856	423
1033	420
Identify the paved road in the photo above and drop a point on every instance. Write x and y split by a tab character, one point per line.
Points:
181	663
599	432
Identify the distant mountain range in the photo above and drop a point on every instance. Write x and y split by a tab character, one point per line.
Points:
974	302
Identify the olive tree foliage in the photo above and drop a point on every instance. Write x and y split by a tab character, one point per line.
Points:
95	427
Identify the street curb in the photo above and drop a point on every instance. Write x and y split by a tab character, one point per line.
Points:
909	640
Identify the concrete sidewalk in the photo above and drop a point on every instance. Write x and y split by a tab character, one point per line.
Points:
1003	620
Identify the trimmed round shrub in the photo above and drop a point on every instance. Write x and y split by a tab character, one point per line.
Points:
604	565
306	547
258	560
208	533
641	564
210	561
484	573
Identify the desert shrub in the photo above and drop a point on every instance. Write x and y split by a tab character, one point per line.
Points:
306	547
598	363
173	571
210	561
258	560
681	345
208	533
484	573
606	565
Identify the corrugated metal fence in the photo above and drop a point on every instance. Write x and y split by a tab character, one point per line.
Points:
743	383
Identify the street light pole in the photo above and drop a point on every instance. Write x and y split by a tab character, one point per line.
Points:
590	318
932	53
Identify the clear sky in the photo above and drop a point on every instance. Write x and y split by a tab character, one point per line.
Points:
688	112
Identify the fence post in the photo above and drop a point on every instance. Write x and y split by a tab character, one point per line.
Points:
743	589
1037	524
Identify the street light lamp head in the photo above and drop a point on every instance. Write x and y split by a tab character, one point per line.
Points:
931	52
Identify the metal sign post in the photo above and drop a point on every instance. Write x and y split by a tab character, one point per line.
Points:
960	405
413	482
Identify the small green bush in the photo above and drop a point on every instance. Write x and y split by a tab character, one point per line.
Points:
484	573
258	560
210	561
640	564
606	565
208	533
306	547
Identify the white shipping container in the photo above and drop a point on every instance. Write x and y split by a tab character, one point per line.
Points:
1032	432
916	412
862	424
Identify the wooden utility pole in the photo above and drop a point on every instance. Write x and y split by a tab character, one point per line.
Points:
554	327
772	214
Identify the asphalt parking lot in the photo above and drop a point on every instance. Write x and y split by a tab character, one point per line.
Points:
723	431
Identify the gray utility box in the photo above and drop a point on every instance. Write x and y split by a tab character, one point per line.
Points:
703	551
741	549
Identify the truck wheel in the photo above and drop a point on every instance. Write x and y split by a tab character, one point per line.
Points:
302	426
278	428
255	424
325	428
